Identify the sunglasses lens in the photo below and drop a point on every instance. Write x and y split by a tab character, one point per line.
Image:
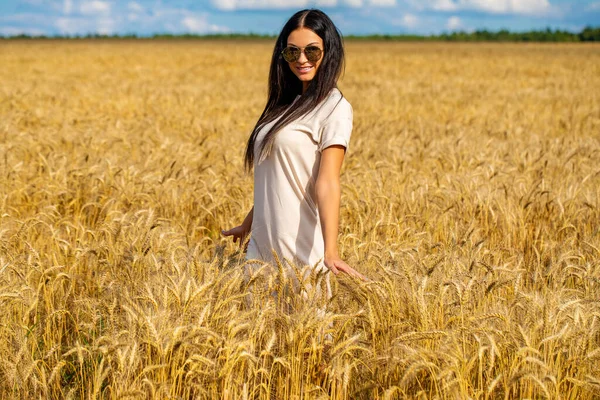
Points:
313	53
291	54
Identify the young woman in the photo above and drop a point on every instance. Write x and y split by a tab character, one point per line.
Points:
297	148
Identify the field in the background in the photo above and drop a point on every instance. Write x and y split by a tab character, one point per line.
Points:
471	198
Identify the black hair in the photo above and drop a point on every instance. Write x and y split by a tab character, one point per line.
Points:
284	86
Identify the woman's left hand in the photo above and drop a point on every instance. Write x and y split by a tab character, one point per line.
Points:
336	265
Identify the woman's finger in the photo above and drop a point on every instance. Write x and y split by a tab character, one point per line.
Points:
351	271
227	233
332	268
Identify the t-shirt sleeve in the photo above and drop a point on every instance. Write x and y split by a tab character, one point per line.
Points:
337	128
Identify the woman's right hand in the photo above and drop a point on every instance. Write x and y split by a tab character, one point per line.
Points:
238	233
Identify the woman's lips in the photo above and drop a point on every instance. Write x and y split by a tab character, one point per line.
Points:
304	70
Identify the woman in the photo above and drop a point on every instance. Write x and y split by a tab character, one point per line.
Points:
297	148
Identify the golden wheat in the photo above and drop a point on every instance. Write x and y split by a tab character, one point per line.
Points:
471	198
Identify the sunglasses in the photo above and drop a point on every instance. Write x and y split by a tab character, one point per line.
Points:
292	53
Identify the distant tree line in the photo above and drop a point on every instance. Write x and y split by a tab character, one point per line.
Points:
588	34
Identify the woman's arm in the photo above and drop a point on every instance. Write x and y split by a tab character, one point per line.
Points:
248	220
328	194
240	232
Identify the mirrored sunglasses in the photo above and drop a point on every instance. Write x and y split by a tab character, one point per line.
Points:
292	53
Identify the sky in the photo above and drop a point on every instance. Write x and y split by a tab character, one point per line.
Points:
358	17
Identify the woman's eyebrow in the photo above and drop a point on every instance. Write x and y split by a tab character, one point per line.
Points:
292	44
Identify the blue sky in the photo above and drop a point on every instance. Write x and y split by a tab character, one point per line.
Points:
145	17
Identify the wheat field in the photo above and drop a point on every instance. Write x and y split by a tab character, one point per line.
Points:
470	197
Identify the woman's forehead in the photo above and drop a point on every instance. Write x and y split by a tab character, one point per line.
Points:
303	37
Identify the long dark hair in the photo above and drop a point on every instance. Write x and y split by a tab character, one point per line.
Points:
284	86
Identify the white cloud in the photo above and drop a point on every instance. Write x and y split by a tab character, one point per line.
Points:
104	17
493	6
454	23
528	7
195	24
200	24
67	7
69	26
258	4
94	7
225	4
326	3
135	7
383	3
409	21
175	20
444	5
230	5
593	6
94	17
353	3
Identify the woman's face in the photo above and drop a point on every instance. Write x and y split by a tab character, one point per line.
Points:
302	68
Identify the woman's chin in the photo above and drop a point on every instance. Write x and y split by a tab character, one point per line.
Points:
305	78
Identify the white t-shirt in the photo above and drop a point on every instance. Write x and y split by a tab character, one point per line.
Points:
286	218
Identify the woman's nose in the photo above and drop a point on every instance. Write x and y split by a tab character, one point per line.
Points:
302	59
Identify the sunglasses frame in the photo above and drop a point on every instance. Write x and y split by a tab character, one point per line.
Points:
302	50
